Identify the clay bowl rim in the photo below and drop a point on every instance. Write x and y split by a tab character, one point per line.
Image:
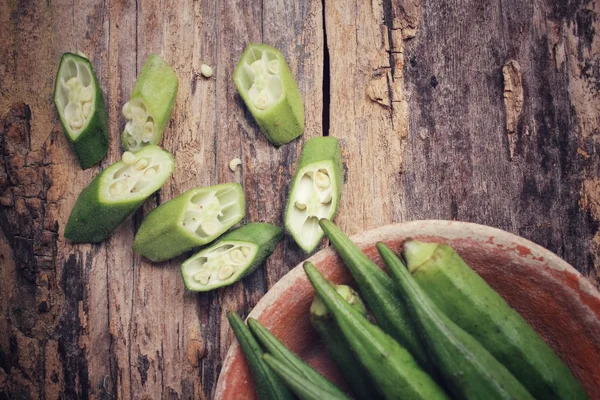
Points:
448	230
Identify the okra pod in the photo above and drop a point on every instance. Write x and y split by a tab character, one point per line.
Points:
338	347
117	192
315	191
466	367
80	105
268	88
150	104
279	351
268	385
392	368
473	305
195	218
303	388
235	255
379	291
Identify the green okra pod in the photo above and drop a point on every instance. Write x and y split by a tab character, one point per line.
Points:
235	255
466	367
117	192
195	218
268	88
473	305
81	109
338	347
279	351
392	368
268	385
150	104
315	191
304	388
379	291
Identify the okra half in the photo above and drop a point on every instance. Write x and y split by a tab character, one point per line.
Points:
473	305
468	370
379	291
80	105
117	192
292	363
268	385
392	368
315	191
234	256
150	104
338	347
195	218
267	86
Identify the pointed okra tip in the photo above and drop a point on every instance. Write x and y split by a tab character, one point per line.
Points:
417	253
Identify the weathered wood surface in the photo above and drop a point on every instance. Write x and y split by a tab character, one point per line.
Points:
478	111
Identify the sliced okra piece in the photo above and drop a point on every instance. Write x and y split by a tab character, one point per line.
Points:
315	192
234	256
117	192
195	218
267	86
81	109
149	107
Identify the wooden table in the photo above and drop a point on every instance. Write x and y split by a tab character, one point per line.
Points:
483	111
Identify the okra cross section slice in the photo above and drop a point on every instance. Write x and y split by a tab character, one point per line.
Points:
234	256
117	192
315	192
81	109
195	218
267	86
149	107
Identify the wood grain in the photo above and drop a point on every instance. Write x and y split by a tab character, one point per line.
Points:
414	90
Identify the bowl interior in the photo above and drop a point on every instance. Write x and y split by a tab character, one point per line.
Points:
560	304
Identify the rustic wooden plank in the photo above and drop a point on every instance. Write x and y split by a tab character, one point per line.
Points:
459	163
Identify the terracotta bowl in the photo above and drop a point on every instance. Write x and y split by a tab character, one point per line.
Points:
562	306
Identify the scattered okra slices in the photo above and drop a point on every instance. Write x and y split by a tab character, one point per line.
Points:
149	107
315	192
236	255
270	92
117	192
195	218
81	109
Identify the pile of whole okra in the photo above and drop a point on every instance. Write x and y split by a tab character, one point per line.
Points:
200	215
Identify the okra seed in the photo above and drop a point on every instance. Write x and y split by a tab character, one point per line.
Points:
116	189
300	206
141	164
273	67
206	70
245	250
203	277
209	227
148	129
87	108
327	199
139	115
150	173
76	122
87	93
237	256
72	82
127	110
262	100
234	163
322	180
128	158
226	271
